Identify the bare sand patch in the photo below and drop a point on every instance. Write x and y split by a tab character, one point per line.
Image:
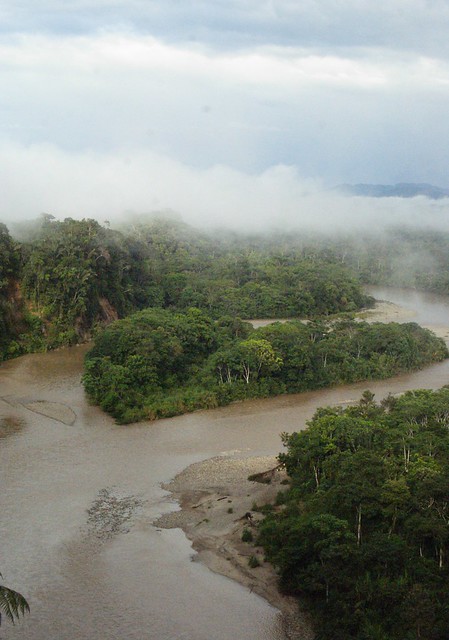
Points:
263	322
442	331
217	503
384	311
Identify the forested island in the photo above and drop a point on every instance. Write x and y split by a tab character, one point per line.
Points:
157	363
361	534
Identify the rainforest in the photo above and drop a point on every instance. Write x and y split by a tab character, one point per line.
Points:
362	531
177	319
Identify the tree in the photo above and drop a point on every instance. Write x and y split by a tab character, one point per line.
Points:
257	355
363	532
10	304
12	603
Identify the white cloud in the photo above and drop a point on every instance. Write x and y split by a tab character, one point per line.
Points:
42	178
220	107
288	67
367	116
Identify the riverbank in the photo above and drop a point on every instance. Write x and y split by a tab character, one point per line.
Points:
217	503
215	498
52	553
384	311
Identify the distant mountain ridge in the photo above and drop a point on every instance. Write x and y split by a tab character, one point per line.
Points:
401	190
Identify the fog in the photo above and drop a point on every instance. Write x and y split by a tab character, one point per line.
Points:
42	178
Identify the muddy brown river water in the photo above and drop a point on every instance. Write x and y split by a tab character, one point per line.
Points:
79	495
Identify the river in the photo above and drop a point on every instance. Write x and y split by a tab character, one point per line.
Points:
79	495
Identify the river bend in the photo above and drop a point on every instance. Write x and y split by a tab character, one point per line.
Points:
79	495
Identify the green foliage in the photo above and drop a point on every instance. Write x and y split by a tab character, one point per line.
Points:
416	258
159	363
237	276
364	534
77	273
12	604
253	562
247	535
281	498
12	322
146	361
404	257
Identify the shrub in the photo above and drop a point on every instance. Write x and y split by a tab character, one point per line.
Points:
281	498
247	535
253	562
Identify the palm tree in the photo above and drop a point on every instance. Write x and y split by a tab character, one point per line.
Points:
12	603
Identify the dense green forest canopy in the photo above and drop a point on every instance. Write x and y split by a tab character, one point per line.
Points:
11	321
76	272
159	363
398	256
362	533
61	280
65	278
248	276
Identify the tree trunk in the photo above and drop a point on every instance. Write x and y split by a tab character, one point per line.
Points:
315	471
359	525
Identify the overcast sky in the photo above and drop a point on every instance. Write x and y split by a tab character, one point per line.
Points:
110	106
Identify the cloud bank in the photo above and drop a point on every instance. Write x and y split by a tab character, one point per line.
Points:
114	105
363	118
113	187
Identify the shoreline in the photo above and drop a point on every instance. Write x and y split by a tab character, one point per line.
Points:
215	497
384	311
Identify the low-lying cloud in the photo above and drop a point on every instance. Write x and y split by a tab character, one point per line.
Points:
43	178
98	123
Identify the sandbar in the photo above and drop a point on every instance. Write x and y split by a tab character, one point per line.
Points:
218	503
